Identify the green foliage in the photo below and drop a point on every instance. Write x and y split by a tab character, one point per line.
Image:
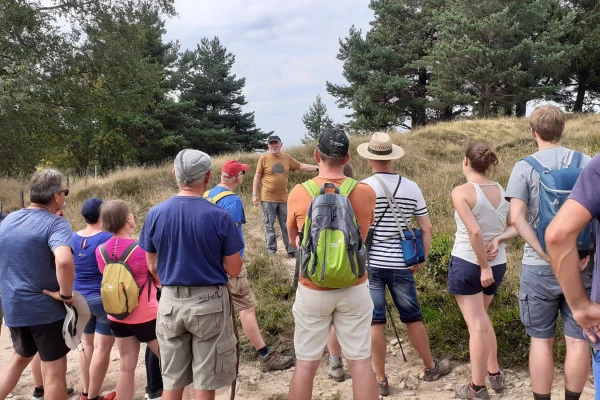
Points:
274	294
438	259
316	121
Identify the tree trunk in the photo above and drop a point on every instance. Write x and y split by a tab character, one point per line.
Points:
581	89
446	115
418	117
521	109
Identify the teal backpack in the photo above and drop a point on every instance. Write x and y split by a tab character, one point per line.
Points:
332	254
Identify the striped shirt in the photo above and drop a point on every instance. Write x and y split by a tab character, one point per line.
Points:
386	251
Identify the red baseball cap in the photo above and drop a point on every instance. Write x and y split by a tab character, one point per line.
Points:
234	167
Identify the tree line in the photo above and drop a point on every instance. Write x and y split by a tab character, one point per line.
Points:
93	82
424	61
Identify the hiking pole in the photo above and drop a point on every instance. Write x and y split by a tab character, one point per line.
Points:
395	330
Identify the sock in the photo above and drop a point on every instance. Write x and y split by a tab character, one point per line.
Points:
335	360
38	390
95	398
84	393
571	395
263	352
477	388
537	396
493	374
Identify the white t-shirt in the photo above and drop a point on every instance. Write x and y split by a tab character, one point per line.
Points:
386	251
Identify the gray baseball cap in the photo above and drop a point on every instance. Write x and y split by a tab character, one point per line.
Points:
191	165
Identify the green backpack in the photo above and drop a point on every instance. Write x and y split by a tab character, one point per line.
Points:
332	254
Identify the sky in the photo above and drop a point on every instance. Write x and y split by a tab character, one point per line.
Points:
286	50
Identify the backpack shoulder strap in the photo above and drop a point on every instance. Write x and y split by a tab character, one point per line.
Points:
539	168
128	251
311	187
104	253
205	195
348	186
219	196
576	159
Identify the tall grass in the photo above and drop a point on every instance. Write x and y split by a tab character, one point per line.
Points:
433	157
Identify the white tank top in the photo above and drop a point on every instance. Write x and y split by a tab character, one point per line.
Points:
491	221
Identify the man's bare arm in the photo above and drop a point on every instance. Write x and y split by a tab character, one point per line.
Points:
233	264
65	273
152	262
518	216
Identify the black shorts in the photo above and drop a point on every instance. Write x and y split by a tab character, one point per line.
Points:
144	332
45	339
464	278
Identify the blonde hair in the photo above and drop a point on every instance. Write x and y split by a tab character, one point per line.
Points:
548	122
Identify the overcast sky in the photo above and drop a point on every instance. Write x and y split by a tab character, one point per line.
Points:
286	50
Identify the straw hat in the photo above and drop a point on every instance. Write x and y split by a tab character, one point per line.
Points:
380	147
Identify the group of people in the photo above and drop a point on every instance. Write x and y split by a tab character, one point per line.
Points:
190	253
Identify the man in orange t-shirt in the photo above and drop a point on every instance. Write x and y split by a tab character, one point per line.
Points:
271	179
316	309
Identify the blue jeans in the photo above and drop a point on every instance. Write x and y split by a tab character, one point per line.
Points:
596	370
401	283
98	321
271	212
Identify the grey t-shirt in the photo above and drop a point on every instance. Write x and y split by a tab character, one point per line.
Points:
28	238
524	184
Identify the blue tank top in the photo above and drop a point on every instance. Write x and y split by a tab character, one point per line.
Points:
87	276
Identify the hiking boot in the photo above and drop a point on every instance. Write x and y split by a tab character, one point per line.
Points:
39	394
336	371
467	392
442	367
275	361
497	382
384	388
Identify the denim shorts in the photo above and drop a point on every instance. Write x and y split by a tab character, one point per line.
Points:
401	284
541	299
98	321
464	278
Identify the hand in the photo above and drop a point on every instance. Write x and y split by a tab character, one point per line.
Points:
588	317
417	267
56	296
492	249
487	277
545	256
255	200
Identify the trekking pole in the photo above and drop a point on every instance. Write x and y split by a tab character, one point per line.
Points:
395	330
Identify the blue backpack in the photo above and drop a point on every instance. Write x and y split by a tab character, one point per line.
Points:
555	188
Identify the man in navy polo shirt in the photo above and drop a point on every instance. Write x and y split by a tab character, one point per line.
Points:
192	247
582	206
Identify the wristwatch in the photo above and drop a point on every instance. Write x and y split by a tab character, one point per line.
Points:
62	296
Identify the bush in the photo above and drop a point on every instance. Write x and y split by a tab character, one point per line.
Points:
439	257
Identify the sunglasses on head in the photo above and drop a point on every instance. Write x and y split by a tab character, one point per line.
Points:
65	191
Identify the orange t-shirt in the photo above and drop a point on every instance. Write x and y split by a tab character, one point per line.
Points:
362	199
274	171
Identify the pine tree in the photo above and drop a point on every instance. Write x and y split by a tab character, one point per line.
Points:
316	121
205	79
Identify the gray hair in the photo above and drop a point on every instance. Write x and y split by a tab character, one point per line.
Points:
225	177
43	185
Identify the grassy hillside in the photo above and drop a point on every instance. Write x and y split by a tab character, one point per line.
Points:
433	159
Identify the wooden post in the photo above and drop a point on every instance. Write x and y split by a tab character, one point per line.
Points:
96	171
68	181
22	199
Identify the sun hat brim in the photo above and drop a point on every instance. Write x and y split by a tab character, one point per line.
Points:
79	311
363	151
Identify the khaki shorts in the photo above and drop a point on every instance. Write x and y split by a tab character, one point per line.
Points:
350	310
195	334
241	294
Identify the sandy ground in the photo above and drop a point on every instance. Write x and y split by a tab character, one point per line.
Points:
404	377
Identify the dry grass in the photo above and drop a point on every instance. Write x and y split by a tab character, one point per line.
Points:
433	159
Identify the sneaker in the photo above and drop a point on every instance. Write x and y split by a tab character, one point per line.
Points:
442	367
336	371
275	361
467	392
39	394
110	396
497	382
384	388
